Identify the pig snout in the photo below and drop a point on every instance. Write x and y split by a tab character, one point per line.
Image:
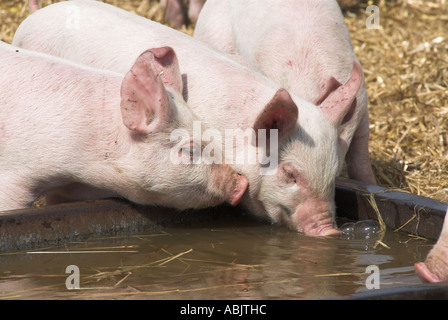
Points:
311	209
227	183
435	267
425	274
315	218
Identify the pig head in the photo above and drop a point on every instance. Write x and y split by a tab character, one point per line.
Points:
308	165
155	109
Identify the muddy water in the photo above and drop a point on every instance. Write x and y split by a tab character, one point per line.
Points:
242	259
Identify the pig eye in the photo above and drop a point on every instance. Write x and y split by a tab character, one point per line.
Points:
192	151
290	177
187	151
290	173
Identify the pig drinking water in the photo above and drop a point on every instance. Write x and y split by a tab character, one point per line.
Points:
304	46
299	191
175	11
63	124
435	267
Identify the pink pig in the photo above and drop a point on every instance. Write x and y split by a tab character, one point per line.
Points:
65	124
299	191
435	268
175	11
304	46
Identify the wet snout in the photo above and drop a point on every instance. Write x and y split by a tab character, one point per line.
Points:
315	217
226	182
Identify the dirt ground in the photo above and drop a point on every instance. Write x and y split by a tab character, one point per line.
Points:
405	63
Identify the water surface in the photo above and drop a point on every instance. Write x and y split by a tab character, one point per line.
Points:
229	259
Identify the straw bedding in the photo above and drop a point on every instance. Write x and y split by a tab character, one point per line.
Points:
405	63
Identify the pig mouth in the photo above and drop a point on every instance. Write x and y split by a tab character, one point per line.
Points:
322	231
324	227
319	224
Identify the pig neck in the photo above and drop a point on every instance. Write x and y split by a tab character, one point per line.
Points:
111	141
92	118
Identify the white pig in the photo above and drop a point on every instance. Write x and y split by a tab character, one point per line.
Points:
435	267
225	95
63	123
175	11
305	46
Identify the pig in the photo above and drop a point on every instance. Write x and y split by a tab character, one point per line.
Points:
297	192
62	123
435	267
175	11
304	46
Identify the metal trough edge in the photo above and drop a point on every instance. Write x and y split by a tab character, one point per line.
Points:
408	212
39	227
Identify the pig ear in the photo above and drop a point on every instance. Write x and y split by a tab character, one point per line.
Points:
339	101
168	67
145	106
331	86
280	113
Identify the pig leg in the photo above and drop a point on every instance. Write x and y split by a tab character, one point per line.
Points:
435	267
174	12
358	157
33	5
194	9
